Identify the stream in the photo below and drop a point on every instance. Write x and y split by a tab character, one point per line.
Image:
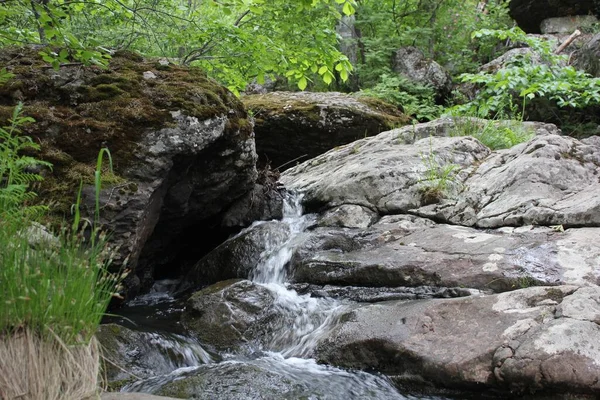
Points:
280	367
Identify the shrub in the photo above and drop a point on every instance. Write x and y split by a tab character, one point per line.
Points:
522	81
414	99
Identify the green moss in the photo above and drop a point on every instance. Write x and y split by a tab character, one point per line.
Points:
104	107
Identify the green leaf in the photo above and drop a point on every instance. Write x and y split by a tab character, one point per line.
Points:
322	70
302	83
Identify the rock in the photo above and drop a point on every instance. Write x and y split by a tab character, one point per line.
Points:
130	355
506	342
411	63
386	173
264	202
587	57
377	294
567	24
230	314
550	180
182	148
529	14
404	250
348	216
292	127
237	257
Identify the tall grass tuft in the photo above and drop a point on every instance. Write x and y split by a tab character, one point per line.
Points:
54	287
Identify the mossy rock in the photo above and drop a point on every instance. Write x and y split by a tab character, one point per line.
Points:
293	127
80	109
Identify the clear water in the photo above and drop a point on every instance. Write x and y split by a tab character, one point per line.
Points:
288	351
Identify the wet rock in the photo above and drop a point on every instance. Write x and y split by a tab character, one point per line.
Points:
411	62
377	294
410	251
292	127
182	148
130	355
529	14
230	314
262	203
507	341
236	257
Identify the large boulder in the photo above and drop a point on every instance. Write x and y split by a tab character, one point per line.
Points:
529	14
292	127
411	63
182	148
549	180
534	339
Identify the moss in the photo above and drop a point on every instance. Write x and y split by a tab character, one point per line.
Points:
81	109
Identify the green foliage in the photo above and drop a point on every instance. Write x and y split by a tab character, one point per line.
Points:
539	74
56	286
14	166
414	99
494	134
235	41
441	29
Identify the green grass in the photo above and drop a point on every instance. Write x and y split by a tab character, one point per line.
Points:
495	134
55	285
51	285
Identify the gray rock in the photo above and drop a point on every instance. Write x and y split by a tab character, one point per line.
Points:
291	127
411	63
529	14
409	251
377	294
348	216
263	203
237	256
567	24
387	173
182	148
587	57
230	314
507	341
550	180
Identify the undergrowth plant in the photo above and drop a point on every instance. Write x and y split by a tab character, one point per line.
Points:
414	99
438	180
495	134
54	285
539	74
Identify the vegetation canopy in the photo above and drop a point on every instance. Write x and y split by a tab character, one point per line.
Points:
235	41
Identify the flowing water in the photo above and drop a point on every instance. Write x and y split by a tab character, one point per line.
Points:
286	355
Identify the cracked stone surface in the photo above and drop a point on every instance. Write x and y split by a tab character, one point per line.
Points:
514	341
405	250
